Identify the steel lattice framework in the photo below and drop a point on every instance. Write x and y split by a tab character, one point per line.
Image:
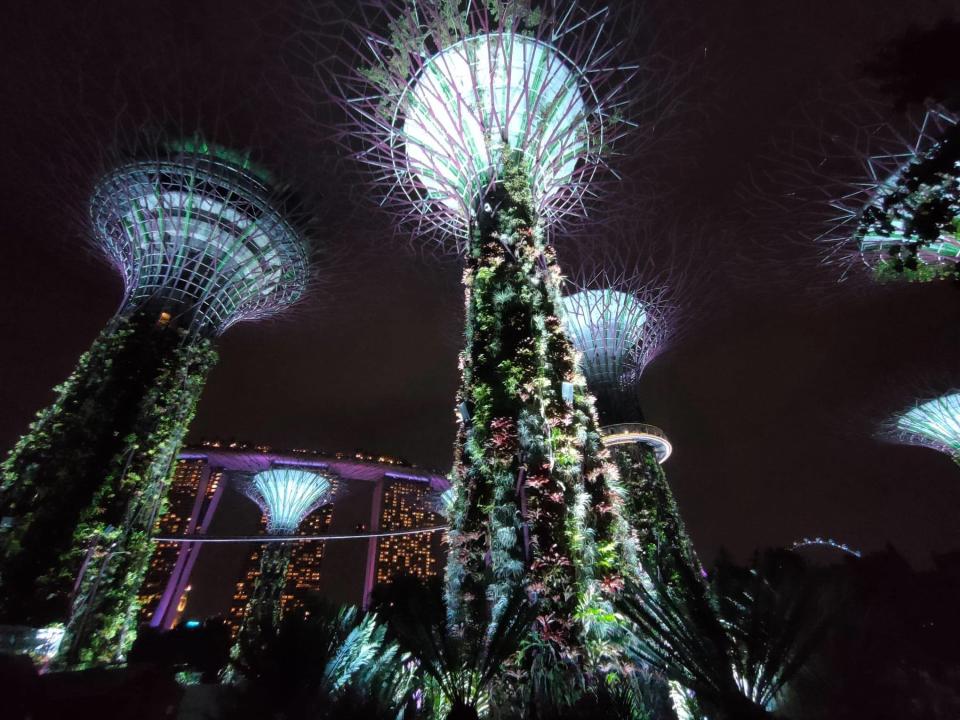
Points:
447	94
200	235
882	217
933	423
618	313
613	332
618	316
288	495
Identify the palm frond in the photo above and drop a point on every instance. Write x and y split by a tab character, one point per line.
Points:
737	643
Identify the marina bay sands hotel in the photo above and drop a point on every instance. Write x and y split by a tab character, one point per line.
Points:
373	494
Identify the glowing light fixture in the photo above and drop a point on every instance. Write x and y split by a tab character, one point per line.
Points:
932	423
608	328
287	495
481	96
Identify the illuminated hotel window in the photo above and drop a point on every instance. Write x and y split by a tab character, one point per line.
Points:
405	507
180	500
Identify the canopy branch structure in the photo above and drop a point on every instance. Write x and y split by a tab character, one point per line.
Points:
285	496
202	240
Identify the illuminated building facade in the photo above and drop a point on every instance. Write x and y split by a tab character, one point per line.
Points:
194	495
407	504
371	493
304	573
286	495
303	577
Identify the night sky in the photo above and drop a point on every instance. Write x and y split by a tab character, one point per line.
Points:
770	396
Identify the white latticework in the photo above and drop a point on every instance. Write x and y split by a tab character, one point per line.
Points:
438	101
482	96
198	235
288	495
614	332
932	423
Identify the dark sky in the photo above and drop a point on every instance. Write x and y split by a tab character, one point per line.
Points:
770	397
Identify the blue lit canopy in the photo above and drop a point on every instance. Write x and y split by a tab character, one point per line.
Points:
450	91
611	330
900	214
932	423
197	234
288	495
481	96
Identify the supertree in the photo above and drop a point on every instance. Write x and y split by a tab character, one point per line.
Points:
874	194
286	496
202	239
909	224
619	320
487	123
932	423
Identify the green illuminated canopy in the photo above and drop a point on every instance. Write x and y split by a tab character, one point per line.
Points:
933	423
199	237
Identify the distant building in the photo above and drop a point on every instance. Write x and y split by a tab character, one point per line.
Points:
194	494
406	505
373	493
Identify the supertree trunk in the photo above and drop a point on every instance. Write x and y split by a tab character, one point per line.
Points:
521	510
662	541
264	607
111	543
95	453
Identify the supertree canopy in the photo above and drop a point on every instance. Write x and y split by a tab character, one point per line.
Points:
202	242
616	333
480	98
901	215
286	496
486	123
196	235
609	329
931	423
911	228
504	81
618	321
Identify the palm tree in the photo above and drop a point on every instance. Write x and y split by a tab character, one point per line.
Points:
458	671
326	663
773	614
735	646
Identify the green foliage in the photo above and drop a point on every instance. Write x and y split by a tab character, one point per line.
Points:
262	614
904	265
664	546
327	664
462	675
85	486
736	647
532	496
922	210
771	611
